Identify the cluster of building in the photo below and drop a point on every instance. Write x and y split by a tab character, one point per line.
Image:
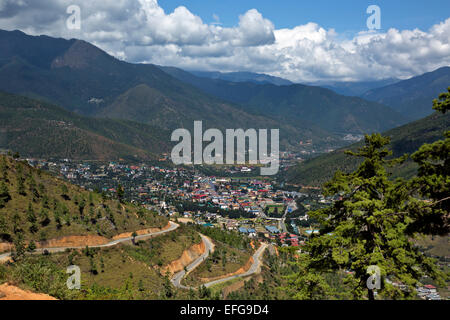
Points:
428	292
160	188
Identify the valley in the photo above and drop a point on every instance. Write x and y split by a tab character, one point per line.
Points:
89	179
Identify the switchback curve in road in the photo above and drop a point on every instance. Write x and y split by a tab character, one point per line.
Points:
254	268
177	277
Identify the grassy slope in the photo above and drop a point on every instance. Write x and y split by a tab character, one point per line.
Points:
125	271
405	139
105	217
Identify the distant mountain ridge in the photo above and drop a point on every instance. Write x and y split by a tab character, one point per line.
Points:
353	88
296	104
412	97
86	80
242	76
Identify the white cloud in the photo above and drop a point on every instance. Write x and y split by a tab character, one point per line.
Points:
140	31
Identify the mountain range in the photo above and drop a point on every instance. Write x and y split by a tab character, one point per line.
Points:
412	97
84	79
136	106
243	77
298	104
354	88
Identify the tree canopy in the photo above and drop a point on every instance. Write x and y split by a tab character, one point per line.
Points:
373	224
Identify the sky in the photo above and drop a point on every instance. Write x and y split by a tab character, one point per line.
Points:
303	41
344	16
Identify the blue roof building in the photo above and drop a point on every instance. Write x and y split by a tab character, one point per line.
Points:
243	230
272	229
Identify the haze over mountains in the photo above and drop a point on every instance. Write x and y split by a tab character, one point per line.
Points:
296	104
413	97
153	100
242	77
349	88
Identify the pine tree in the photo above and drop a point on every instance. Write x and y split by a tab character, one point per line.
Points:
133	237
3	225
4	194
31	217
17	223
141	287
433	181
33	188
120	193
374	219
64	192
367	226
45	219
20	185
3	169
81	206
31	246
19	247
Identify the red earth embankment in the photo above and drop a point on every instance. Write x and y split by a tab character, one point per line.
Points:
10	292
141	232
187	257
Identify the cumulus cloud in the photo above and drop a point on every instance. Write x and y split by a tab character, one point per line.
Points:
141	31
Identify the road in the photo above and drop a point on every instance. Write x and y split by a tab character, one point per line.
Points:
281	223
172	227
254	268
176	279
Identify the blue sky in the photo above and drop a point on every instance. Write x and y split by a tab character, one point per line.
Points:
345	16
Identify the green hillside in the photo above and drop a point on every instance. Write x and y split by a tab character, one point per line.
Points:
405	139
39	129
35	205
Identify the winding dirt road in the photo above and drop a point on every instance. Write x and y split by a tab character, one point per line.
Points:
176	279
254	268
